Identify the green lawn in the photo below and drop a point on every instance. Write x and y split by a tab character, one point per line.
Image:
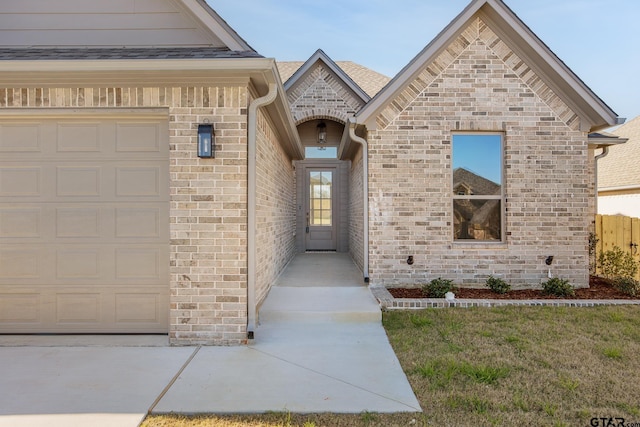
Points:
500	366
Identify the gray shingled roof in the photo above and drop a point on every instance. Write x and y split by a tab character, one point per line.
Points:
27	54
620	167
370	81
478	184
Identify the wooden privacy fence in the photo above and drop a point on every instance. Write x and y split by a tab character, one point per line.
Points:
620	231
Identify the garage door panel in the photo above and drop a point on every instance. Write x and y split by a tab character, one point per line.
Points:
78	308
114	309
78	181
20	222
20	138
138	181
142	222
79	221
138	263
17	308
21	263
138	138
77	264
138	308
78	138
20	181
84	226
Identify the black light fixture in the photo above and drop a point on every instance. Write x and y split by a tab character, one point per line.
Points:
322	133
206	141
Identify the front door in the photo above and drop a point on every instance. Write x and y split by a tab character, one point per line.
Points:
320	231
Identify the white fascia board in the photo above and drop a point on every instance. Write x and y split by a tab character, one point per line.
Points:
605	142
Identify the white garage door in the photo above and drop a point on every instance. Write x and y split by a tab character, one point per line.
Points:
84	227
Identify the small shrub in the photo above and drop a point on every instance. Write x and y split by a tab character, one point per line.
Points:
437	288
627	285
558	287
617	263
498	286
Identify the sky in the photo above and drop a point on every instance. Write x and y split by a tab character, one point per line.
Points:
598	39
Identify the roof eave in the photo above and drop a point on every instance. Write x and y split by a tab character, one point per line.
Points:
280	111
601	141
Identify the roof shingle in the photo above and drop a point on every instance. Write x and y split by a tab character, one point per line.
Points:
61	54
370	81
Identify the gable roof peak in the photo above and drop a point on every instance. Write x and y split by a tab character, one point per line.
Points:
320	56
217	24
593	112
172	24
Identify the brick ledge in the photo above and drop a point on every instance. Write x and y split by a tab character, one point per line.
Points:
388	302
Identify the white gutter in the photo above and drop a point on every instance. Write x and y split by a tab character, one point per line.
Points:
251	205
365	183
620	188
605	151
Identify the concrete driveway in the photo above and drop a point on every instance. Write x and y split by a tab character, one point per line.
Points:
308	367
320	347
107	384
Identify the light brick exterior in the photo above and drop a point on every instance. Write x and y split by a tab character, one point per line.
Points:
478	84
356	210
208	208
276	208
321	94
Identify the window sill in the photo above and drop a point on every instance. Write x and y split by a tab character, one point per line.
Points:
479	245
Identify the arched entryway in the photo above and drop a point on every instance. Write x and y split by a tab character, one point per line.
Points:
322	189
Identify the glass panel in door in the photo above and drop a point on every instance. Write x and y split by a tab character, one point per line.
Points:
320	223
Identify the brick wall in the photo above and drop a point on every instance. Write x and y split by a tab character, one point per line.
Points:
356	214
276	208
208	199
321	94
479	84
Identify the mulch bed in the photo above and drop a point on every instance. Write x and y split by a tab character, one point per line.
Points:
599	288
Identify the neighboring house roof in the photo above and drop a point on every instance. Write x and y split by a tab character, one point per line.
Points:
477	185
371	82
619	169
593	112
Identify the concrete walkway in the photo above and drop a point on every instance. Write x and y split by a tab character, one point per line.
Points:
320	347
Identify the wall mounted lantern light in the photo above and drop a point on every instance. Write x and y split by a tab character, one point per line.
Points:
206	141
322	133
